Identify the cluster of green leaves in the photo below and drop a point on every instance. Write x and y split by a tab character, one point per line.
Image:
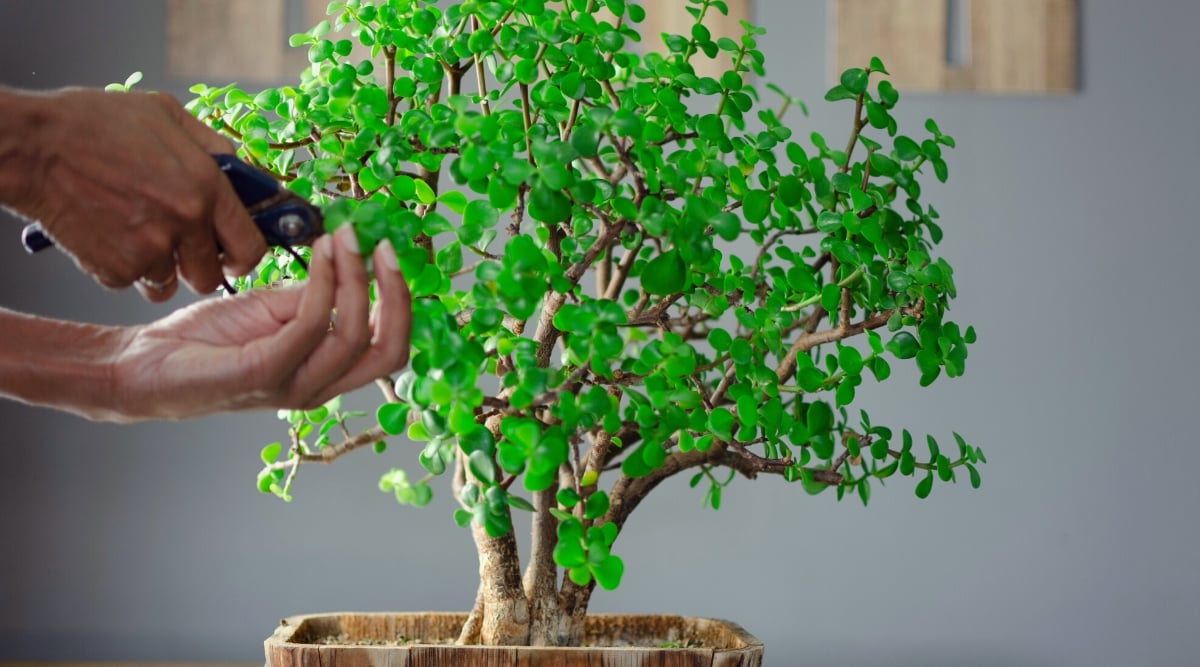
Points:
509	149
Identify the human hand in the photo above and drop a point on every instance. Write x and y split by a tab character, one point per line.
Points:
271	348
125	183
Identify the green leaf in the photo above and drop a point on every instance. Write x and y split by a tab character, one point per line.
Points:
270	452
719	339
596	506
904	345
727	226
480	213
855	80
850	360
653	454
665	274
569	554
517	502
819	418
608	572
756	205
392	417
877	65
454	200
944	471
907	149
482	467
838	93
887	94
925	486
567	497
747	411
811	486
975	479
879	449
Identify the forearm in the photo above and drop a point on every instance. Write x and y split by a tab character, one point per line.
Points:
59	364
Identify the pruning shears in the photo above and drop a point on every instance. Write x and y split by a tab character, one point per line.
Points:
284	218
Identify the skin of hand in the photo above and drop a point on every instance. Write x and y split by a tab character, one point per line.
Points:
259	349
125	183
271	348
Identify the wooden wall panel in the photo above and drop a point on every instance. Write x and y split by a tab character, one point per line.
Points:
1012	46
225	39
671	16
244	40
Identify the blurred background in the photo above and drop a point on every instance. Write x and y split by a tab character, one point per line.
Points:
1070	220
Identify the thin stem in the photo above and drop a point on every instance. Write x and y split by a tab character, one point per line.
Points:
389	54
816	298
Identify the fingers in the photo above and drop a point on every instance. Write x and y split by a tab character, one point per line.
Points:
391	330
274	360
159	284
351	333
200	133
242	244
230	240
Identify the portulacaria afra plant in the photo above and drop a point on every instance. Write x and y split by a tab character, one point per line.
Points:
622	271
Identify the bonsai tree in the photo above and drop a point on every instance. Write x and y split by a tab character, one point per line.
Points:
623	271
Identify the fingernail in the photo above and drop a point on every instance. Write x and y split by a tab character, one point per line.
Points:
389	255
348	238
324	245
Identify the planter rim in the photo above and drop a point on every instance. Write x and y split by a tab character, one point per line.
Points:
738	639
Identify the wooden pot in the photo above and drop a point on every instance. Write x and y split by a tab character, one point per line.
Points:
610	640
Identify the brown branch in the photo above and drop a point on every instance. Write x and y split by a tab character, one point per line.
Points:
334	452
618	281
859	123
480	79
754	465
808	341
389	54
606	240
388	386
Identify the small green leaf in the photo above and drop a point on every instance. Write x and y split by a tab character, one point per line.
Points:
904	345
567	497
907	149
392	417
270	452
975	479
855	80
482	467
517	502
665	274
925	486
569	554
944	471
596	506
719	339
608	572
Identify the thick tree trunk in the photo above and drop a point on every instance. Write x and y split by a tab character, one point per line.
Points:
504	611
541	577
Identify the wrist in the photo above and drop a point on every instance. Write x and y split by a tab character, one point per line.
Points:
63	365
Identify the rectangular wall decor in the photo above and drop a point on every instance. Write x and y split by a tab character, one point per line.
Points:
1007	46
245	40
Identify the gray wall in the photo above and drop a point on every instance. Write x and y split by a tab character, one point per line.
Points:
1071	223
